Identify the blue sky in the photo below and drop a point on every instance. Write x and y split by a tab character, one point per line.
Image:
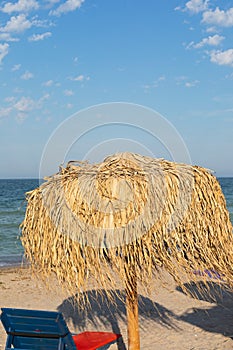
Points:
60	57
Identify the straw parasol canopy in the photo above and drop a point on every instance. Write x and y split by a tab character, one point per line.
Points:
123	220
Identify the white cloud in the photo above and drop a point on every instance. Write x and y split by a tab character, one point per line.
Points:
222	58
48	83
16	24
69	105
51	2
229	76
67	6
180	79
18	90
214	40
40	102
211	30
196	6
19	24
45	97
7	37
20	6
146	87
78	78
161	78
154	84
9	99
38	37
27	75
193	83
218	17
190	45
5	112
68	93
24	105
4	49
16	67
20	117
185	81
42	23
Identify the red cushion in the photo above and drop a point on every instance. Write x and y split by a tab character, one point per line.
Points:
94	340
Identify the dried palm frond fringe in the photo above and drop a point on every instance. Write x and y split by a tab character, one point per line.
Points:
129	215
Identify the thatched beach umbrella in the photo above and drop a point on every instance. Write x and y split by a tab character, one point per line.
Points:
124	219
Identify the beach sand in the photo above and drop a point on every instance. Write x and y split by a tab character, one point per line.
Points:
177	322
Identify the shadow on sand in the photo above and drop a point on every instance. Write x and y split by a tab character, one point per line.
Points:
101	311
215	319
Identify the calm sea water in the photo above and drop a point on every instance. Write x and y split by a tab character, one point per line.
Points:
12	210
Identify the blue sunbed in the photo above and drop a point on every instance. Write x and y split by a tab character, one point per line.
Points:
47	330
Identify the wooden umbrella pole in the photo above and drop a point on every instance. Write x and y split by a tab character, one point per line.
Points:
132	313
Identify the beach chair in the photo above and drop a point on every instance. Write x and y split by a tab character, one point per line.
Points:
47	330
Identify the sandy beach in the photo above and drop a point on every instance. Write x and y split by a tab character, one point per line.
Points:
168	319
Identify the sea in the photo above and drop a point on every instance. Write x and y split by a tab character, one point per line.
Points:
12	211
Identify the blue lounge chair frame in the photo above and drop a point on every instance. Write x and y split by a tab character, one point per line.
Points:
37	330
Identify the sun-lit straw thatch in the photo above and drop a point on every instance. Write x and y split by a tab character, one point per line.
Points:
129	215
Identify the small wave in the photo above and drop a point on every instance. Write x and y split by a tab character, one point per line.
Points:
12	260
10	213
9	225
231	217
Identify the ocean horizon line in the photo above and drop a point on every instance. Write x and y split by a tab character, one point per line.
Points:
42	179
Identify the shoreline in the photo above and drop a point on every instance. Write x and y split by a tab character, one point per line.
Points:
16	260
13	268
